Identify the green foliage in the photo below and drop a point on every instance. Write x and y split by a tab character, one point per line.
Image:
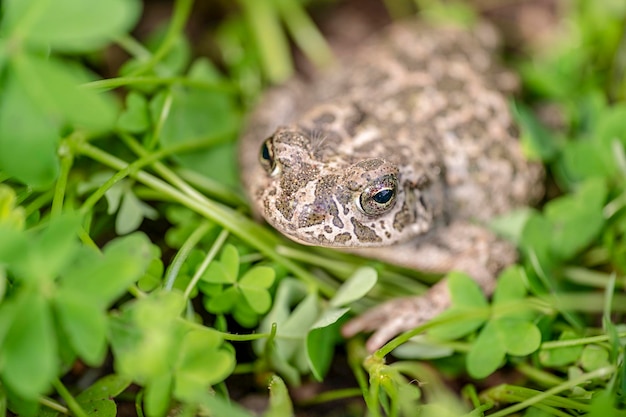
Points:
97	400
53	275
244	296
508	329
171	357
45	88
81	166
306	326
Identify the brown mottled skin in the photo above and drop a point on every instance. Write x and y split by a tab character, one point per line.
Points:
401	153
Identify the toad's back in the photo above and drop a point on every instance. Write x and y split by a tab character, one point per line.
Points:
400	154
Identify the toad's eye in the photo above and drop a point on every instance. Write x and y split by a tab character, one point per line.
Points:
379	196
266	156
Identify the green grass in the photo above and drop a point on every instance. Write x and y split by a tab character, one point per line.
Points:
116	213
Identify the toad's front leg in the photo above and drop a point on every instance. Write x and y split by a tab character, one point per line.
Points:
460	246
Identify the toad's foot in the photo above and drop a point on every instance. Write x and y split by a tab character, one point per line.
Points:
460	246
398	315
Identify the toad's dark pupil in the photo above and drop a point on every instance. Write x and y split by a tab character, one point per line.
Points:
265	153
383	196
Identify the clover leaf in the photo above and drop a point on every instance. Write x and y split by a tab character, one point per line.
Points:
243	295
508	332
54	276
153	346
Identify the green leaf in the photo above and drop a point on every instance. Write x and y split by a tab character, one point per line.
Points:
280	402
587	159
202	362
521	337
14	245
355	287
132	213
292	331
602	405
245	315
29	350
498	337
221	407
320	342
253	285
561	356
55	86
223	302
259	299
536	239
136	118
594	357
107	387
511	285
230	260
69	25
84	323
258	277
103	278
11	214
611	124
195	115
216	273
464	291
28	136
177	58
146	335
576	219
511	288
158	394
511	225
53	249
487	352
97	400
467	300
535	138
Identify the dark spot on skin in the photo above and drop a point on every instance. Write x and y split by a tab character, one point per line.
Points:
343	237
513	130
423	182
364	233
403	217
324	119
355	120
423	202
448	83
328	229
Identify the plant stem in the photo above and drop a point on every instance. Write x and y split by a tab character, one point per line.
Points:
242	227
577	342
183	254
262	18
67	160
53	405
71	402
217	245
146	159
112	83
182	8
571	383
